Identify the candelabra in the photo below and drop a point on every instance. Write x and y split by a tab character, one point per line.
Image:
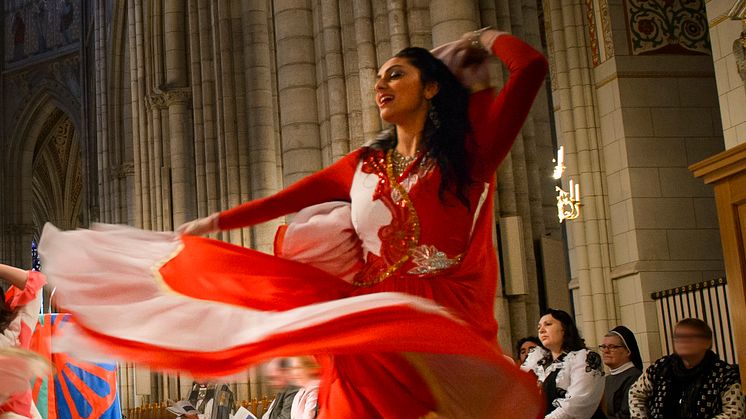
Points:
568	203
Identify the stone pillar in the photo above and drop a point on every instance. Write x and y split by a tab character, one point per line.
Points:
177	100
296	79
397	25
262	152
450	19
577	131
367	67
339	134
181	157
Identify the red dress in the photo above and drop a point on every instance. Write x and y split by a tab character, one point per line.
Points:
411	332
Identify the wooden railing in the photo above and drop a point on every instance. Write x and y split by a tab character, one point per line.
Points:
158	410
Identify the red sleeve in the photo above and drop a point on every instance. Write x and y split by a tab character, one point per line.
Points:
497	119
330	184
16	298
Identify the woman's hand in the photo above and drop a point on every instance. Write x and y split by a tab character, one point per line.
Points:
200	226
467	57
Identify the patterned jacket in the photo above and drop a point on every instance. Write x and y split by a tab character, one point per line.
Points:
718	395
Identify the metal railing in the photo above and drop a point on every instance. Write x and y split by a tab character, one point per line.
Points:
707	301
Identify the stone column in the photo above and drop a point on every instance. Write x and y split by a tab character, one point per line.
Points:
177	101
181	157
397	25
339	134
296	79
262	144
450	19
576	124
367	67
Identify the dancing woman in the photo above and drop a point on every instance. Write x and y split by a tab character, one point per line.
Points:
19	313
387	274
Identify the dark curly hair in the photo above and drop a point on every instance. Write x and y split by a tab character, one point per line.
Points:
521	341
571	340
445	143
6	314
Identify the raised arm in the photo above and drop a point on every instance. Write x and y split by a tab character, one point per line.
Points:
17	277
330	184
23	297
497	119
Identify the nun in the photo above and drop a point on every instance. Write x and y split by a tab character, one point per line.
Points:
621	355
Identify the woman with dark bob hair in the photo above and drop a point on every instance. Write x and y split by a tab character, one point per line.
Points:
386	274
571	376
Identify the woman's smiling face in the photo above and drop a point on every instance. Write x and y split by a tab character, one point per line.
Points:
400	93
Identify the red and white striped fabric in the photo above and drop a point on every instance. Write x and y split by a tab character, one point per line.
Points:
214	309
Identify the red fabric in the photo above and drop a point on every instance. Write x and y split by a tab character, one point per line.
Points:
330	184
16	298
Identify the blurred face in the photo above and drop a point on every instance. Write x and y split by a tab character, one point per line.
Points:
689	342
613	352
525	348
551	333
277	377
400	94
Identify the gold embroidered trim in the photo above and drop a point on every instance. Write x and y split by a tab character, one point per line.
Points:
414	222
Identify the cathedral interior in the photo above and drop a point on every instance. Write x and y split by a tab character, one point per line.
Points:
154	113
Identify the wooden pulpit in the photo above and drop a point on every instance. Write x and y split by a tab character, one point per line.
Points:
726	172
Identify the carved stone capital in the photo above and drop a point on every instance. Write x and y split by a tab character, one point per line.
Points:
155	101
177	95
123	170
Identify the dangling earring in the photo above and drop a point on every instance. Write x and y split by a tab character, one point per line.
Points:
433	115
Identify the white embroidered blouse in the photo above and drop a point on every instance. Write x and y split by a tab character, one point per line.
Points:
580	381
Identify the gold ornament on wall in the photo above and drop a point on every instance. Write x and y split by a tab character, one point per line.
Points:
568	203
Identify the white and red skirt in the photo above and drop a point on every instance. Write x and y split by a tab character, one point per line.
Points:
184	303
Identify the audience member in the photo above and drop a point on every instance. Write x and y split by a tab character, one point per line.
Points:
692	383
570	375
278	376
523	347
620	353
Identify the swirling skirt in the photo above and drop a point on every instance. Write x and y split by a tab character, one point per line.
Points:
182	303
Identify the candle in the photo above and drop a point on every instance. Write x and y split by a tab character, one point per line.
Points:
572	191
577	192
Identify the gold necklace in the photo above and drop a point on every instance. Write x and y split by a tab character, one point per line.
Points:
400	162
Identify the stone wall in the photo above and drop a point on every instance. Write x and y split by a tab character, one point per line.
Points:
635	104
729	58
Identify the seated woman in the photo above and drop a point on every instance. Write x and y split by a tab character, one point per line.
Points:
620	353
19	312
570	375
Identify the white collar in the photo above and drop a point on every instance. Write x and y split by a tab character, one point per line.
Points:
621	369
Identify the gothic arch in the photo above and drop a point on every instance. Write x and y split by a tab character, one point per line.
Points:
50	107
56	174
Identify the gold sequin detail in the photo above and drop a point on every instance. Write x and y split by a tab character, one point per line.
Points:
413	224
